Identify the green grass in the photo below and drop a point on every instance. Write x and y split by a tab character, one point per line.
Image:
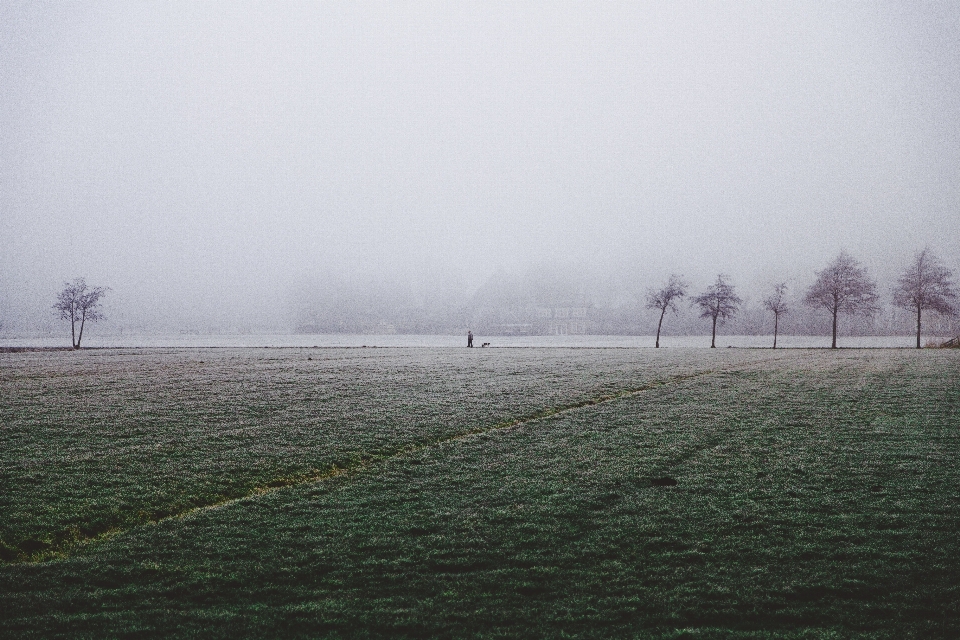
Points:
101	441
816	493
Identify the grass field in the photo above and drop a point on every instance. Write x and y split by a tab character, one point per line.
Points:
480	493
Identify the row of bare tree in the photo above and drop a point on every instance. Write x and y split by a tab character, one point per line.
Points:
843	287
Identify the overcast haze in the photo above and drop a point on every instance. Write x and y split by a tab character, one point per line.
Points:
216	158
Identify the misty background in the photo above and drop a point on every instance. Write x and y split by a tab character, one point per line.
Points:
429	167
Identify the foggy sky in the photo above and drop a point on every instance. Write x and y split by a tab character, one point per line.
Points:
213	157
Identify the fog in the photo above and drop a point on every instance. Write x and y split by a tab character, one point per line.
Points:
277	166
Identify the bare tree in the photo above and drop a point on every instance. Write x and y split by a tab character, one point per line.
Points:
79	303
776	302
843	287
718	302
926	284
666	297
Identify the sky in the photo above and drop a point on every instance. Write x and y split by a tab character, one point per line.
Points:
213	159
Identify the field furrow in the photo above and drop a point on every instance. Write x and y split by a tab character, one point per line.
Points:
108	440
736	494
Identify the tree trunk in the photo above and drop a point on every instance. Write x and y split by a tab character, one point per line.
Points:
73	330
83	319
918	326
834	344
659	324
713	338
776	320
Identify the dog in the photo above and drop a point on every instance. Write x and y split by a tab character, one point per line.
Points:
485	344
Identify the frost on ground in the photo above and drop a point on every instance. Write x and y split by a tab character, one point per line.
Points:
138	435
605	493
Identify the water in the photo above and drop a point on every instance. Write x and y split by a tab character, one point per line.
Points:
348	340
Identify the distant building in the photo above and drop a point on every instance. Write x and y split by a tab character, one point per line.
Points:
533	306
563	320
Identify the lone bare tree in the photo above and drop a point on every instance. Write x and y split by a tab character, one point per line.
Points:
776	302
926	284
718	302
666	297
843	287
79	303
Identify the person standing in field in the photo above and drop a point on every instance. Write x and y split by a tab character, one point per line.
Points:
469	338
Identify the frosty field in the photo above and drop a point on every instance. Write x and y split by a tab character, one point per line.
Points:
485	492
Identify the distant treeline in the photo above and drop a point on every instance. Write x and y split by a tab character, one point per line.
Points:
544	303
841	299
590	319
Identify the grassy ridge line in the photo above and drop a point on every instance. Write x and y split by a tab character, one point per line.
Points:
363	462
